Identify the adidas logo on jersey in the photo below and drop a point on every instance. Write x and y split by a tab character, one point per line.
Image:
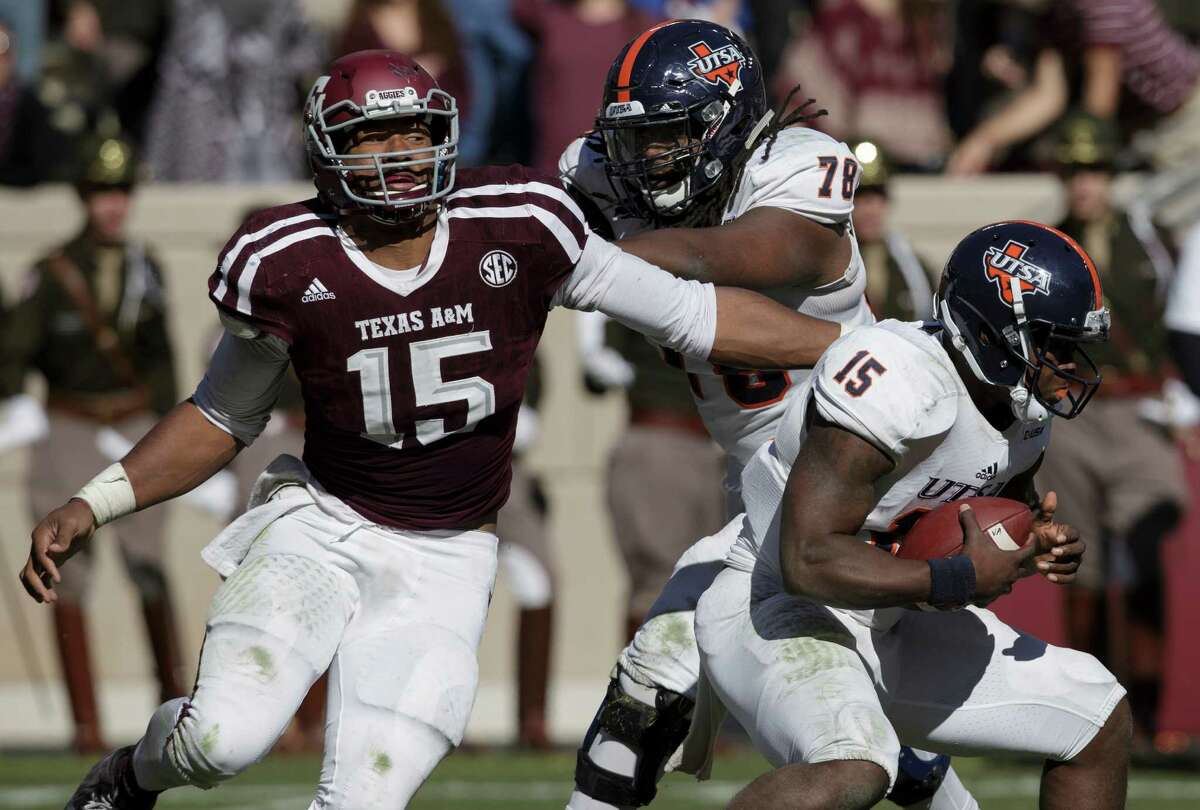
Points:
317	292
987	473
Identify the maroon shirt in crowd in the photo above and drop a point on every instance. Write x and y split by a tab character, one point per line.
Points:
571	59
411	379
1159	68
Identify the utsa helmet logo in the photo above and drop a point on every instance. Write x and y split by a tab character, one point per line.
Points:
722	66
1004	264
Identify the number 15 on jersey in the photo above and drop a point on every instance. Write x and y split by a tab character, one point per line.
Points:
428	388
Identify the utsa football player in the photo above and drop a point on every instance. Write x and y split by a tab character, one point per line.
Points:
806	636
692	172
409	296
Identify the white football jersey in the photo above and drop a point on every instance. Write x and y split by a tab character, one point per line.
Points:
894	385
803	171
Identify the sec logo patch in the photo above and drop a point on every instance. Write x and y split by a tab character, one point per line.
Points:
497	268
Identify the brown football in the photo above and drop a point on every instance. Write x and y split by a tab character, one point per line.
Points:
938	534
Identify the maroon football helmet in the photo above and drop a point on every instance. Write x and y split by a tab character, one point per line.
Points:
369	86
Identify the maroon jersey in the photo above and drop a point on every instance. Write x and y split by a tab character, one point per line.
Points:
411	379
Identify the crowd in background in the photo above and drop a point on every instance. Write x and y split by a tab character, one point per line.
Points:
963	86
210	91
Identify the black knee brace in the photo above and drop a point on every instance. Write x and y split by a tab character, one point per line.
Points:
917	779
653	732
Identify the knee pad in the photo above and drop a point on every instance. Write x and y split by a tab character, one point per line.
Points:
293	598
652	732
422	672
180	748
918	776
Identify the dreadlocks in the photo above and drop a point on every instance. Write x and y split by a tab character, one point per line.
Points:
782	119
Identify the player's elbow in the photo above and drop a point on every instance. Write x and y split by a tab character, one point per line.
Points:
800	568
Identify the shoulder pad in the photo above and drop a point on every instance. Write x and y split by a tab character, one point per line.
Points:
889	383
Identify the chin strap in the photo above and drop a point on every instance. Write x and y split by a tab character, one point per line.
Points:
1024	407
759	128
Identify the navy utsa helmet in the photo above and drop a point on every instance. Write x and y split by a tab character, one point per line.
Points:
681	102
1020	297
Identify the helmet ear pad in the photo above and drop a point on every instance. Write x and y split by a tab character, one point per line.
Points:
979	339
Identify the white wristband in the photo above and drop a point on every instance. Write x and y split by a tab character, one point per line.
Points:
846	328
109	494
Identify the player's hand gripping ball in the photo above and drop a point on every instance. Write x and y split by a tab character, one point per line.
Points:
939	533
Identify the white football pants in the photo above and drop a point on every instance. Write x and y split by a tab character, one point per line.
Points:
813	684
396	618
664	654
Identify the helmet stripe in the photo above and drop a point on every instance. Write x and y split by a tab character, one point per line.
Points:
1087	260
631	56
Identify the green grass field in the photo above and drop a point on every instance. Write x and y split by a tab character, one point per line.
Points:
505	781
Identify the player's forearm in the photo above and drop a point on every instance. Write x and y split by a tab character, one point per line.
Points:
842	571
684	252
179	453
764	249
755	332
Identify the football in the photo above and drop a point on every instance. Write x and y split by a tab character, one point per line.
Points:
938	534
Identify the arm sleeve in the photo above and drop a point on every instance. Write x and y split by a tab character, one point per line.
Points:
882	388
242	383
678	314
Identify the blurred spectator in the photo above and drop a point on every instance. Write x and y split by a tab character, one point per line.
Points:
71	106
771	23
132	35
527	560
92	320
1183	323
1118	478
23	123
1115	56
26	20
1183	16
730	13
877	67
421	29
497	55
664	474
575	43
233	78
898	281
122	39
995	47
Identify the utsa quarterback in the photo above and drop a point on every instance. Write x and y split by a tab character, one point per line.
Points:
689	169
409	297
809	635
